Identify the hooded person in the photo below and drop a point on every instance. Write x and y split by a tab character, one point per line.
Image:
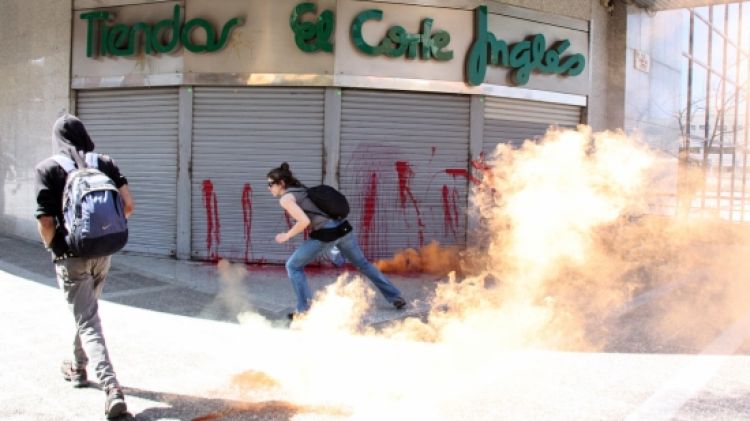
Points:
80	279
70	139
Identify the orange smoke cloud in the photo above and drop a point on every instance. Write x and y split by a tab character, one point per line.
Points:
431	258
570	240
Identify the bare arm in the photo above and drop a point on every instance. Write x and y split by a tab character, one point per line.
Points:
302	221
127	199
46	226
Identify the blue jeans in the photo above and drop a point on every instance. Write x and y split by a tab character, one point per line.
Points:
347	245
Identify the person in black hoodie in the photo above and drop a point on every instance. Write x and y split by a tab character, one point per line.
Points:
81	279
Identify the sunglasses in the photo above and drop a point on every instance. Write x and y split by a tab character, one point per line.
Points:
271	183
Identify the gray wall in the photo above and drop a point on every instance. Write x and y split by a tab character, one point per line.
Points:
34	70
607	51
653	99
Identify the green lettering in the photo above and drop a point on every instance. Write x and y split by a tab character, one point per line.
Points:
356	31
92	18
187	40
395	42
225	31
476	60
498	50
309	36
426	39
146	28
103	41
117	40
175	24
523	57
440	40
520	60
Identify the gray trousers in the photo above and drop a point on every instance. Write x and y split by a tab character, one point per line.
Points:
82	280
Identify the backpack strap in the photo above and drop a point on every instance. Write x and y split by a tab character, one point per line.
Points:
315	211
65	162
92	160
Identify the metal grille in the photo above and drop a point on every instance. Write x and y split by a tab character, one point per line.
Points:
513	121
239	134
404	168
139	129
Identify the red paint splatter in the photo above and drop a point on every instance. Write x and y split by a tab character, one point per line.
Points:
404	176
213	227
247	218
447	212
450	210
369	205
460	172
455	209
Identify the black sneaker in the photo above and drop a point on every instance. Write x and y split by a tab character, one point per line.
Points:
115	405
399	303
77	376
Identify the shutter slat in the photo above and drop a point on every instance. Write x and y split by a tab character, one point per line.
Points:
428	131
139	129
239	134
513	121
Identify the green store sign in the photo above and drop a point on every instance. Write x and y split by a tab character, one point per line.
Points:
522	57
119	39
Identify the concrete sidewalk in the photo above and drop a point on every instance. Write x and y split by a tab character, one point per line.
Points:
173	332
209	290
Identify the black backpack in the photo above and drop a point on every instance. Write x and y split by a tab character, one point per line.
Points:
329	200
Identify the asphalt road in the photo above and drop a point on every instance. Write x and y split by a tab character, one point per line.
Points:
182	353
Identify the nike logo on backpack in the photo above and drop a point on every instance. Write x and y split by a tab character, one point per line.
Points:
106	226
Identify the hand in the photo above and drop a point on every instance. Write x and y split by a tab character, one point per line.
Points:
282	238
58	246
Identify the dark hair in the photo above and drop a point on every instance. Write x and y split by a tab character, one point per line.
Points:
282	173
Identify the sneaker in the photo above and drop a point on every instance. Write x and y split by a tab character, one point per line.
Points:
115	405
399	303
77	376
295	315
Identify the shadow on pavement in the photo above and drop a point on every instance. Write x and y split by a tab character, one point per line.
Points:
192	408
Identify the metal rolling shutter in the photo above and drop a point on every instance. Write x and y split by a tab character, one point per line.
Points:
513	121
239	134
139	129
404	168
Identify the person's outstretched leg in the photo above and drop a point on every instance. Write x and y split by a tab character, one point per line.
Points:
351	251
295	268
78	278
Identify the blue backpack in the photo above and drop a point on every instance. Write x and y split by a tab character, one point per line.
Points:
93	210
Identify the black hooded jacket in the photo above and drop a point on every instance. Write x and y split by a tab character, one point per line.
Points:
69	136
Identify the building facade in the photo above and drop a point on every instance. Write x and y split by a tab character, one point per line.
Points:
399	105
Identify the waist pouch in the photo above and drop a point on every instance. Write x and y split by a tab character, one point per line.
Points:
331	234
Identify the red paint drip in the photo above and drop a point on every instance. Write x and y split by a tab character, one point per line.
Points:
404	176
434	149
369	206
447	212
247	218
455	210
450	210
460	172
213	226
